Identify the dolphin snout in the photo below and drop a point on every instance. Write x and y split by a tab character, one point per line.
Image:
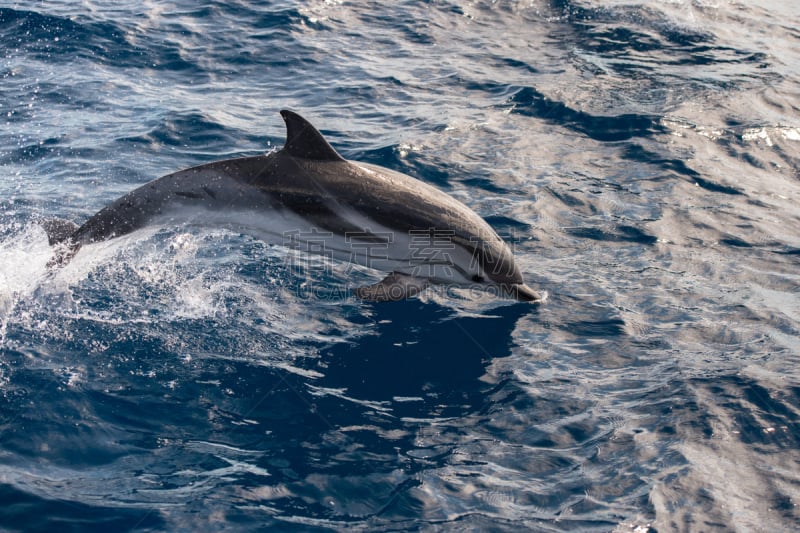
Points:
523	293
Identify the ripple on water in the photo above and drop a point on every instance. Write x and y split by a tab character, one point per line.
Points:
641	159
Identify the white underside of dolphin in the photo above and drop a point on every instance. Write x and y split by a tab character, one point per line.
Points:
308	197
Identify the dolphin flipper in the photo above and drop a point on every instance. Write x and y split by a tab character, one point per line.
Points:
395	286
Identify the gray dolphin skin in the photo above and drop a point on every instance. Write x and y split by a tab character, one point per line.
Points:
307	196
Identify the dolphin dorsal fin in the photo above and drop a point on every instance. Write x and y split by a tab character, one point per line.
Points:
305	141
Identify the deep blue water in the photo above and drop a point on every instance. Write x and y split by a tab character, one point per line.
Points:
642	158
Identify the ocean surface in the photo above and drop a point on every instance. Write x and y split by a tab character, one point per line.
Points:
641	158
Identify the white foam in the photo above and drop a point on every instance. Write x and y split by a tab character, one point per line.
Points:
23	265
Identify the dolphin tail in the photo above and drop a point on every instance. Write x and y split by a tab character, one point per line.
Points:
59	234
58	229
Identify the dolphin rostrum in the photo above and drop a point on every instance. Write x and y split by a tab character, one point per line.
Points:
310	195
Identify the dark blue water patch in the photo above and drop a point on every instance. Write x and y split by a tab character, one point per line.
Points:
620	233
530	102
30	153
22	511
147	407
242	16
715	187
614	40
511	230
517	64
441	368
274	20
776	410
737	150
50	38
66	435
636	152
788	250
345	93
570	200
771	423
556	456
47	95
611	327
206	401
735	242
411	29
541	408
302	448
416	164
486	184
764	421
685	48
196	133
753	161
500	92
613	31
640	42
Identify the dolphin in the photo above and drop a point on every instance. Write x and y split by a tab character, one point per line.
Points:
307	196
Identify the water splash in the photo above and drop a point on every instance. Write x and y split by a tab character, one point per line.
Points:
24	253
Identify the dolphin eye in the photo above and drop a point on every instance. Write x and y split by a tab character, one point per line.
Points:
477	279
